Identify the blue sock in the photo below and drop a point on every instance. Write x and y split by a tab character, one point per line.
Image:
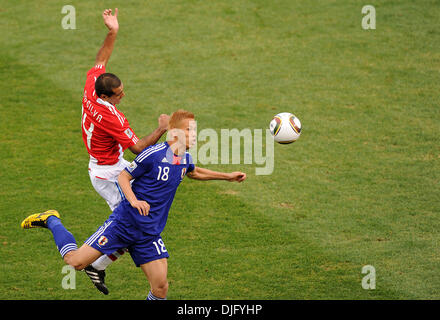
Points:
64	240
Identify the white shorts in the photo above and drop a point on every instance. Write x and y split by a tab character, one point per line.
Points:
105	181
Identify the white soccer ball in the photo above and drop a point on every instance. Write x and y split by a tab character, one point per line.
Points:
285	128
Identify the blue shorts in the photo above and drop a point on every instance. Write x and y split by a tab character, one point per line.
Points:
115	234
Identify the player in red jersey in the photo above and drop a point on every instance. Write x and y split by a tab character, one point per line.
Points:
107	134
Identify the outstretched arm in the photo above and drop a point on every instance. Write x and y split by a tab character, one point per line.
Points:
111	22
206	174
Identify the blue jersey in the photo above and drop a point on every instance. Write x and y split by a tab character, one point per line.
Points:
157	173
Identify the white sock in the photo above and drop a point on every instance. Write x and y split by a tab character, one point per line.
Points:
102	262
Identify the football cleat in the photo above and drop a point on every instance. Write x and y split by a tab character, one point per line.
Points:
38	220
97	277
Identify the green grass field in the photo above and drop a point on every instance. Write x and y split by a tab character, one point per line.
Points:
360	187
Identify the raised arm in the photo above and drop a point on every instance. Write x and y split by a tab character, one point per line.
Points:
111	22
206	174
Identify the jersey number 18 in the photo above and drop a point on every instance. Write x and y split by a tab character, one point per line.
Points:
163	173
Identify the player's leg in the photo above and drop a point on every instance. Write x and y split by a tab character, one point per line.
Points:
156	273
149	253
105	260
82	257
105	182
50	219
64	240
106	186
105	240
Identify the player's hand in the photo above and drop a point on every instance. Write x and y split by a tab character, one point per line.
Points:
111	21
163	121
237	176
142	206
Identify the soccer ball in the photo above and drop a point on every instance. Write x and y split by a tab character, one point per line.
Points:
285	128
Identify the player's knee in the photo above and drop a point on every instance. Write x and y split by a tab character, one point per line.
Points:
79	266
73	261
160	289
163	287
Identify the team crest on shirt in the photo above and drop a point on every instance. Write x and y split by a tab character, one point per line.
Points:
132	166
129	133
102	241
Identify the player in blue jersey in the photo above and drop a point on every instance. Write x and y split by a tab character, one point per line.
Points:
149	185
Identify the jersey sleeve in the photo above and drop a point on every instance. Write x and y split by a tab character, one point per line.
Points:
125	137
141	164
96	71
92	75
120	130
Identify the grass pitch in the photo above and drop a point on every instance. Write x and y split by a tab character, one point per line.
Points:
360	187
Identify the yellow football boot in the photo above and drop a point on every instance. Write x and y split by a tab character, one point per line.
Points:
38	220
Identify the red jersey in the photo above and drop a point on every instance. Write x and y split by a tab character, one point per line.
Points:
105	130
